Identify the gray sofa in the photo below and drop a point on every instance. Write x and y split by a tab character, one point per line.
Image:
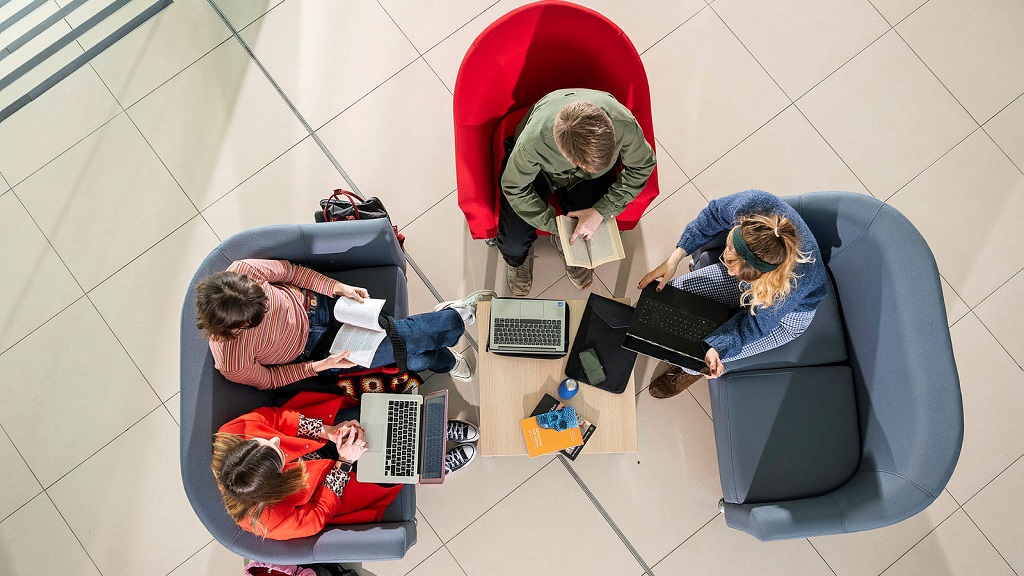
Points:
363	253
858	423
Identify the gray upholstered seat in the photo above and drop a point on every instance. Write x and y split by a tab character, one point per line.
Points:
813	440
363	253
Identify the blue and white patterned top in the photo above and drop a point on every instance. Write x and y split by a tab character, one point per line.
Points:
743	330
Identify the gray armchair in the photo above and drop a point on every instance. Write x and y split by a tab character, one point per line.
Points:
363	253
858	423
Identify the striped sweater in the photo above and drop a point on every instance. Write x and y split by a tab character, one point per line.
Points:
260	356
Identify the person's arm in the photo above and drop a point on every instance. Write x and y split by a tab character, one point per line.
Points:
284	272
517	186
263	377
638	163
310	518
665	271
721	214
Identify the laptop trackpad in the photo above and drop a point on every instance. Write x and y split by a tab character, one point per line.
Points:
531	309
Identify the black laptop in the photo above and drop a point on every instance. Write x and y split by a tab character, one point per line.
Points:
670	325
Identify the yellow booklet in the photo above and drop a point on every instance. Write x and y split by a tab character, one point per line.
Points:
540	441
604	246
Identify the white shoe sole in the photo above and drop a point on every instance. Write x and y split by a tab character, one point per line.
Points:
471	298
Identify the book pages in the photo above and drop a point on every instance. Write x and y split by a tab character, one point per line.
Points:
606	244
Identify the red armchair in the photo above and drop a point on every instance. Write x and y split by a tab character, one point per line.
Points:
522	56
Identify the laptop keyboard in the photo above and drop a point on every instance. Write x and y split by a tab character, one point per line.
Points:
400	451
676	322
520	332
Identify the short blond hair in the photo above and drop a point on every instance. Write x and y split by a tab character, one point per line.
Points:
585	136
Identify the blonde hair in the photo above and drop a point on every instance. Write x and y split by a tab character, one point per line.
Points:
773	239
585	135
250	477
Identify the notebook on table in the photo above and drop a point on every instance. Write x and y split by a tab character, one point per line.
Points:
405	437
671	325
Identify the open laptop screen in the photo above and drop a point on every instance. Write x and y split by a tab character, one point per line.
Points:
435	433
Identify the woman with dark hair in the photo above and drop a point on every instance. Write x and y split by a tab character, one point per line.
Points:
771	266
270	323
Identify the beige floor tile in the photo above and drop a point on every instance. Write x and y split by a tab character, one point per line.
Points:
36	540
785	157
241	13
800	42
456	264
677	450
155	51
202	123
997	509
564	290
53	123
19	485
718	549
955	547
37	285
987	76
670	175
993	312
955	306
427	23
131	492
346	49
156	282
405	155
896	10
31	78
652	241
173	405
427	543
446	57
996	188
477	488
869	553
547	516
646	27
441	563
993	390
1006	128
212	560
89	201
707	92
95	391
288	191
886	115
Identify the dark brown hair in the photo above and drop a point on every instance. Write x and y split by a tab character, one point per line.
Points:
772	238
226	301
250	477
585	135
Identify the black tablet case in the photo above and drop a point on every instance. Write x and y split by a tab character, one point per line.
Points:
603	327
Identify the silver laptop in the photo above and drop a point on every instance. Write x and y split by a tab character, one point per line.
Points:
526	326
405	437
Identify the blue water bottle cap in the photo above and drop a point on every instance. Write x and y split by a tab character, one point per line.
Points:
568	388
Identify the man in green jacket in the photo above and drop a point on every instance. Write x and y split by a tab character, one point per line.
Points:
568	143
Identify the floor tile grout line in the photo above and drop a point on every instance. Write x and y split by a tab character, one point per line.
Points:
751	53
815	548
930	164
671	32
843	65
492	506
922	539
27	466
404	35
687	539
998	288
989	540
470	21
982	489
833	149
45	322
16	510
191	556
607	517
73	533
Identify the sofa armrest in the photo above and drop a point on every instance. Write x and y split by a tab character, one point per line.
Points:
353	543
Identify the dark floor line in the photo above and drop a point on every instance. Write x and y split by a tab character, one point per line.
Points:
813	547
990	543
605	514
73	533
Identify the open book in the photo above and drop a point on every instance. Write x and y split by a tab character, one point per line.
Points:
360	332
605	246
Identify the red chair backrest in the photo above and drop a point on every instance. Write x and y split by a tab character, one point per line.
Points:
521	57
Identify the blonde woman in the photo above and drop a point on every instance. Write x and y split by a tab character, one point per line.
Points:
771	266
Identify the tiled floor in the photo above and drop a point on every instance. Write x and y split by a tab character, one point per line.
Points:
118	181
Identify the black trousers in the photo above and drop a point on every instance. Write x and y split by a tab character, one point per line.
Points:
515	236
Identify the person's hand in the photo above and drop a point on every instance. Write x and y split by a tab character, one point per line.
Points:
353	292
665	271
350	448
338	431
715	366
589	220
339	360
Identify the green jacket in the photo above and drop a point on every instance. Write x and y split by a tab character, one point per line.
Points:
535	151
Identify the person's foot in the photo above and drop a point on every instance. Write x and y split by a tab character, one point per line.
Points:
579	276
459	457
672	382
467	304
462	431
520	278
463	370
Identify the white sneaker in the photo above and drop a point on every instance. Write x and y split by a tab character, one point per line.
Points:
466	307
463	371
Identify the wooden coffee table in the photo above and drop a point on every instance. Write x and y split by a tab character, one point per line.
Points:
510	389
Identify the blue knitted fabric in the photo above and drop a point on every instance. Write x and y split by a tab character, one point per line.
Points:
742	332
